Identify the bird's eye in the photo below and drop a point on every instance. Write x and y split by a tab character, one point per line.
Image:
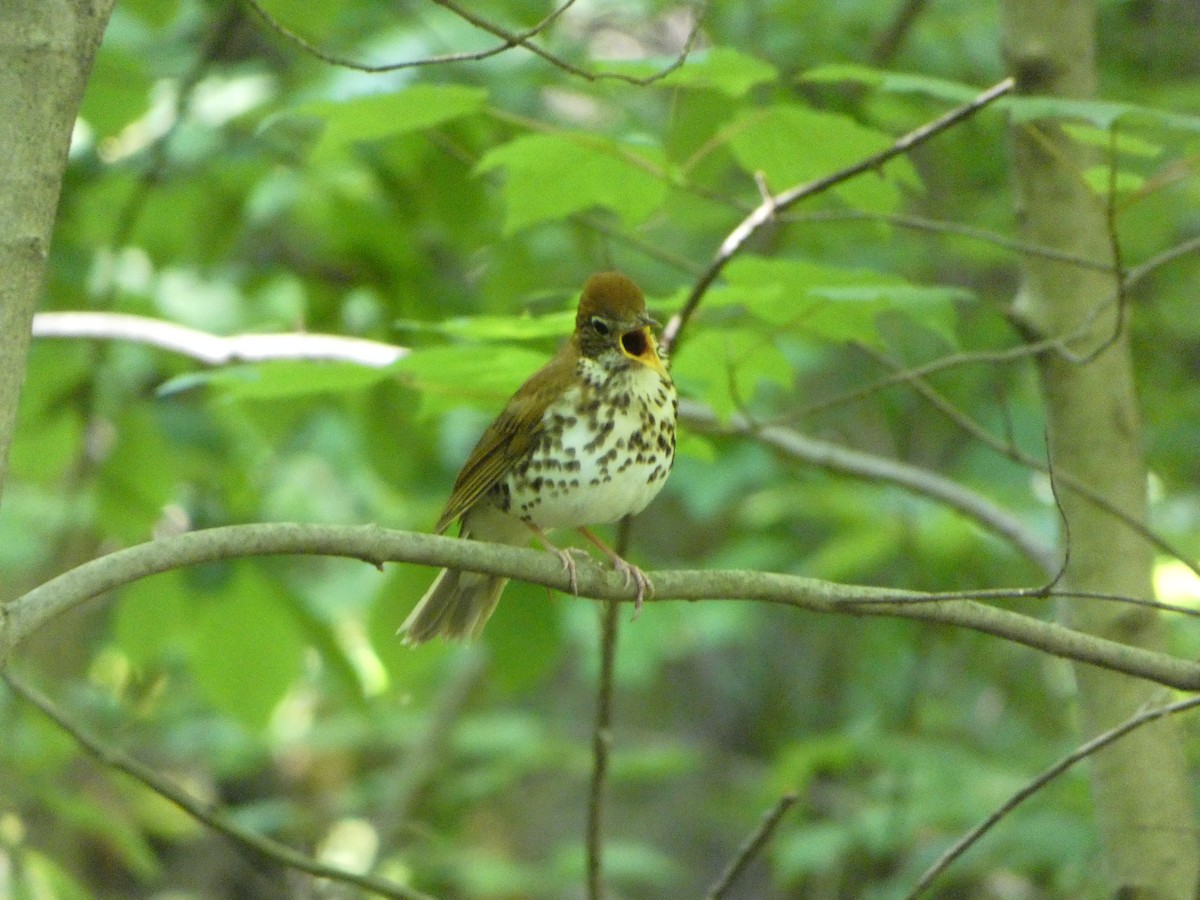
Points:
600	326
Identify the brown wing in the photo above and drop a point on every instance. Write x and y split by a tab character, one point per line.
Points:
513	434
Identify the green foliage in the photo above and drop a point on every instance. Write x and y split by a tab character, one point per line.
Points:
225	180
792	144
551	176
378	116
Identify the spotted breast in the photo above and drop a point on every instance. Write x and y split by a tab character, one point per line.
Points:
588	439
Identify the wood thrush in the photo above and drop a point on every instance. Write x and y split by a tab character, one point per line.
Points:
589	439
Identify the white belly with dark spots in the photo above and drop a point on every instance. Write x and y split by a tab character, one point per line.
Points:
597	461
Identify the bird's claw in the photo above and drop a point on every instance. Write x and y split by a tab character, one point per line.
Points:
633	575
568	563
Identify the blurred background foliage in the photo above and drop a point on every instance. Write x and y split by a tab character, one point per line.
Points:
224	179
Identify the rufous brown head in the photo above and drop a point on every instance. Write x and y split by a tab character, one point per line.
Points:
612	316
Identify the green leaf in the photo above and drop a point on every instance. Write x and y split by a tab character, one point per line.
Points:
523	636
551	176
1122	142
278	378
38	875
893	82
152	618
245	649
1103	114
119	92
453	376
810	849
792	144
377	116
1100	180
832	303
722	69
728	364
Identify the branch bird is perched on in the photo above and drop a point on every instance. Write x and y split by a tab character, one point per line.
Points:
589	439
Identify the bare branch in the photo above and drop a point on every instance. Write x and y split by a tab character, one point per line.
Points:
601	748
1097	743
768	208
199	809
954	229
913	378
857	464
753	846
509	40
1143	270
888	44
214	349
375	545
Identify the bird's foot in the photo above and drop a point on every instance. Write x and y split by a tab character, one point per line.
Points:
631	573
634	575
564	556
568	562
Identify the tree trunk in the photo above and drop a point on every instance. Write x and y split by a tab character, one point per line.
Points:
46	51
1140	784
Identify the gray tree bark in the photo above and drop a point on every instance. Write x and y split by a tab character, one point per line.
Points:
1141	787
46	52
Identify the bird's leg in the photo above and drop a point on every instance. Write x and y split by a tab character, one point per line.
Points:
633	575
564	556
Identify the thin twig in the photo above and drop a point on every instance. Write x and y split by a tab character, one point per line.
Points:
1035	593
888	43
610	629
494	29
1138	272
601	749
912	377
752	847
200	810
768	208
511	40
941	364
955	229
1097	743
857	464
508	40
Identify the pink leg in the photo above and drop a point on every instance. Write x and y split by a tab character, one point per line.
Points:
563	555
633	575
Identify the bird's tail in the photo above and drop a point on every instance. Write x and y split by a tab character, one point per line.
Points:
456	606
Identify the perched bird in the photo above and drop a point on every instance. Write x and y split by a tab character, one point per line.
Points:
588	439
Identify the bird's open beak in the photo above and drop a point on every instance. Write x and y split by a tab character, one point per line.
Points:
639	344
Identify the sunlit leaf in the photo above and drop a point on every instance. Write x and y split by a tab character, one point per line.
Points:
453	376
1121	141
728	365
792	144
549	176
893	82
1103	114
376	116
833	303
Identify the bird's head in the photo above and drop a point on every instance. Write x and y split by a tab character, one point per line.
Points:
612	317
